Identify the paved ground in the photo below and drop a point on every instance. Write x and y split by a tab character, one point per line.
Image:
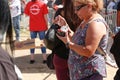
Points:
39	71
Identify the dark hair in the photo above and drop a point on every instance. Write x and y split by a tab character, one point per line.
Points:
69	13
6	24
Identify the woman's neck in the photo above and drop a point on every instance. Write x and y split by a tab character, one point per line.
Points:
91	17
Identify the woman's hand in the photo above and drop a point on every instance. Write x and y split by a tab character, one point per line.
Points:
60	21
65	39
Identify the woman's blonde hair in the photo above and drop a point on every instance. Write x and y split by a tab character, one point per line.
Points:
97	4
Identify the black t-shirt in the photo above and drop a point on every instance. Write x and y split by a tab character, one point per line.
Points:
115	48
60	48
57	2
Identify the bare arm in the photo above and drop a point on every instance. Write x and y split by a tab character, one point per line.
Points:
94	34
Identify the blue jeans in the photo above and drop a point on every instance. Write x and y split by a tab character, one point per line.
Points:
16	25
41	34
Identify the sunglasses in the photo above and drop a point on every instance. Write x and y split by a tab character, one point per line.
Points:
77	8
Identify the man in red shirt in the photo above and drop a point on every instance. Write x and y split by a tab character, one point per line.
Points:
38	23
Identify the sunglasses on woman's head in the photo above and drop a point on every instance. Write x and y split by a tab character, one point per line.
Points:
77	8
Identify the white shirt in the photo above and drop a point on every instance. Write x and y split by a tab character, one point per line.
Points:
15	7
111	5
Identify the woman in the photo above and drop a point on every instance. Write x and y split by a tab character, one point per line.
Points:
37	11
85	62
7	70
60	51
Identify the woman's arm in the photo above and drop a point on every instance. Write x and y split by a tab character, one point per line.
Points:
94	34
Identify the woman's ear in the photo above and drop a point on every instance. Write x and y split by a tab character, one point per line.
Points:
89	6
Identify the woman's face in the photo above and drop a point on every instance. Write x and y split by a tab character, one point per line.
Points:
81	10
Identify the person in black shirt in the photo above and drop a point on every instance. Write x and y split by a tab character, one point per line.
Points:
115	50
60	50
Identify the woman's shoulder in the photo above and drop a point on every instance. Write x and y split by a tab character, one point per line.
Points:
97	19
97	23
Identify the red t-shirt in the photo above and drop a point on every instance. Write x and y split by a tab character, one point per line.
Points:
36	11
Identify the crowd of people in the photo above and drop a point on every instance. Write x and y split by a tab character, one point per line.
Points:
76	54
114	5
